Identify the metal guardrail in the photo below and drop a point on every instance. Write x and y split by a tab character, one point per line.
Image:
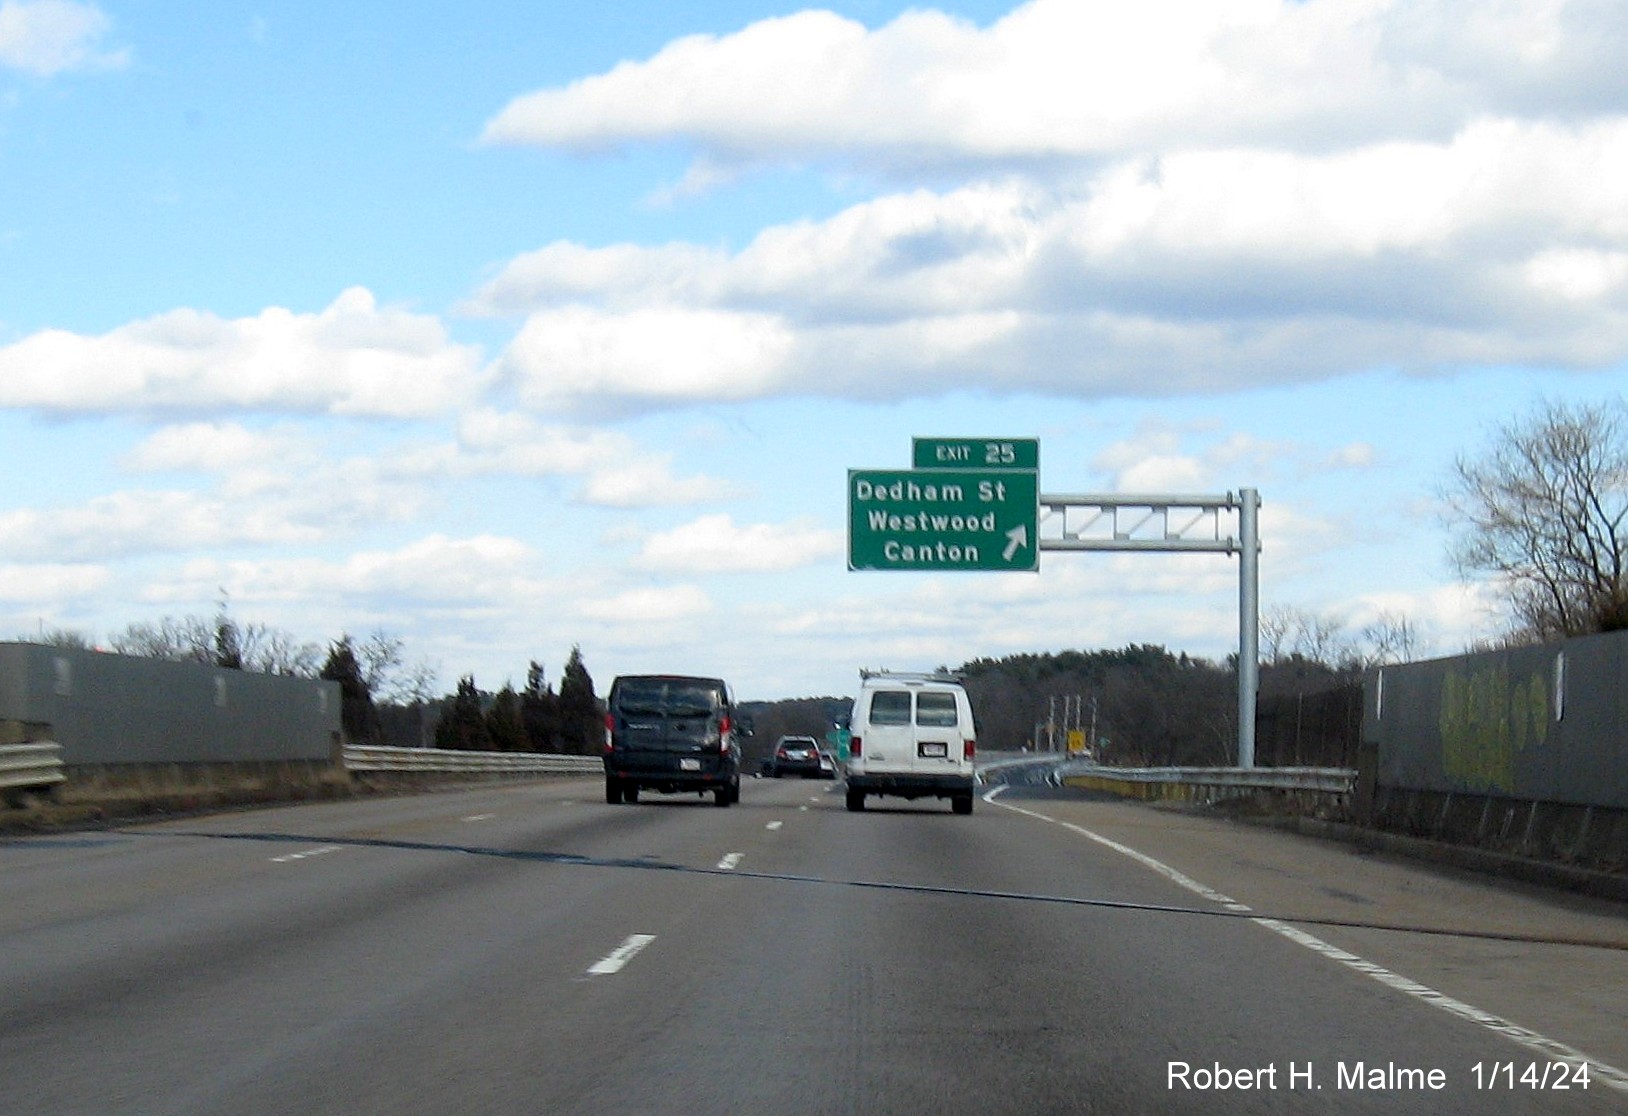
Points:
1326	780
369	757
26	766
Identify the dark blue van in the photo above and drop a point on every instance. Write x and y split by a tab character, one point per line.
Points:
673	734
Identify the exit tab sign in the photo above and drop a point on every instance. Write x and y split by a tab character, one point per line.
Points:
976	453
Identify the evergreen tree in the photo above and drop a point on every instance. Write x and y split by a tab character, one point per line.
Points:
582	726
463	722
540	712
357	715
228	639
503	724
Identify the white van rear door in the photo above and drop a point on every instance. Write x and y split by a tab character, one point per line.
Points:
889	734
939	743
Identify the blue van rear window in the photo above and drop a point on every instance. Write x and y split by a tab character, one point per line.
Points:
675	697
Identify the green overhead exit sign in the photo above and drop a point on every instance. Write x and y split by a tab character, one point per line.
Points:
943	519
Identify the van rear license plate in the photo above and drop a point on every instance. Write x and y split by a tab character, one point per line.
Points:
689	765
934	749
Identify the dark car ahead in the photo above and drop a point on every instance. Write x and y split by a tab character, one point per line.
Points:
673	734
796	755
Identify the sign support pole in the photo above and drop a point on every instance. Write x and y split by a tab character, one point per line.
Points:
1249	622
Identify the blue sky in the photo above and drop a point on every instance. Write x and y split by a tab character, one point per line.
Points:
502	328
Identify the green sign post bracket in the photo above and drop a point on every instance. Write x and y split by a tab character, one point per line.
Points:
940	519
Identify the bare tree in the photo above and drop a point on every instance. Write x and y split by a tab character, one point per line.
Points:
1392	638
64	638
1288	632
274	651
1544	511
387	674
380	656
188	639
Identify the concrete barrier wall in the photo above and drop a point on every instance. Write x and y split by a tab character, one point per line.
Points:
1529	724
119	709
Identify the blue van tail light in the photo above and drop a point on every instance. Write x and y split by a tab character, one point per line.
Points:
610	731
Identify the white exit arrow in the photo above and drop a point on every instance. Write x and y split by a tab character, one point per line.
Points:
1019	537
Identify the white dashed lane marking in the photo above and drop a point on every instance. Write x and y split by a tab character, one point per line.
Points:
289	858
621	955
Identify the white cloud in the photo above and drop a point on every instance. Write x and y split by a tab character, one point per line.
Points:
55	582
614	469
279	502
1202	270
352	358
49	37
1059	78
1579	274
1353	455
1167	458
575	354
715	544
650	483
494	441
1163	473
891	257
124	523
1160	198
648	607
434	571
216	447
1446	619
565	272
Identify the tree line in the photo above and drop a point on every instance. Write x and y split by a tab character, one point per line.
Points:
1147	706
534	719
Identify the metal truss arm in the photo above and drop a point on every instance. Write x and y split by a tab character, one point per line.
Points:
1173	524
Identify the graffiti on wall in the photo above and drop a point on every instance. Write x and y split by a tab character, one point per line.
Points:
1487	719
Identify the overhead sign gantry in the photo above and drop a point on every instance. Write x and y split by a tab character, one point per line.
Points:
975	504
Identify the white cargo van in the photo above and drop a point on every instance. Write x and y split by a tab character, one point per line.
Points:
912	737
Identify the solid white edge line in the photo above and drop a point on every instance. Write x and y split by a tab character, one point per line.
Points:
1532	1040
621	955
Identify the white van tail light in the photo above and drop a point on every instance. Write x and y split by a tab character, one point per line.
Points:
968	747
856	747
